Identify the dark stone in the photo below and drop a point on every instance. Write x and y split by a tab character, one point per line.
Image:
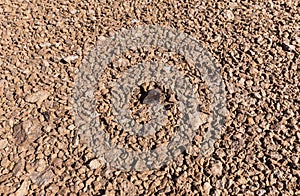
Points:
152	97
46	116
19	134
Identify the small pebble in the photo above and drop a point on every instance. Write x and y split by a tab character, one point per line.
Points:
152	97
94	164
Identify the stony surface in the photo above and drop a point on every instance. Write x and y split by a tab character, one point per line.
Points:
255	43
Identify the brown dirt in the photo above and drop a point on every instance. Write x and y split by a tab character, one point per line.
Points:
255	43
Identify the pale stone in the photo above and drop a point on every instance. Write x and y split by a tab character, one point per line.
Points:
216	168
23	190
207	187
71	58
39	96
71	127
229	15
94	164
3	143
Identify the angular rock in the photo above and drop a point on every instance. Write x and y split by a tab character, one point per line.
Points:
19	134
19	167
23	190
216	168
42	178
3	143
37	97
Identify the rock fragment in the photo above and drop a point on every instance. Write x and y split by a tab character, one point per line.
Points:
19	134
23	190
216	168
152	97
27	130
206	188
3	143
19	167
41	165
37	97
42	178
229	15
94	164
70	58
2	86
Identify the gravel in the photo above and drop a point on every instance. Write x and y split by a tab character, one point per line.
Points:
255	44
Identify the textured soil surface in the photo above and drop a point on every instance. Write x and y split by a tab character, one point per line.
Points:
256	44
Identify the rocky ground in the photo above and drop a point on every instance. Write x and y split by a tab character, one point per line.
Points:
255	43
